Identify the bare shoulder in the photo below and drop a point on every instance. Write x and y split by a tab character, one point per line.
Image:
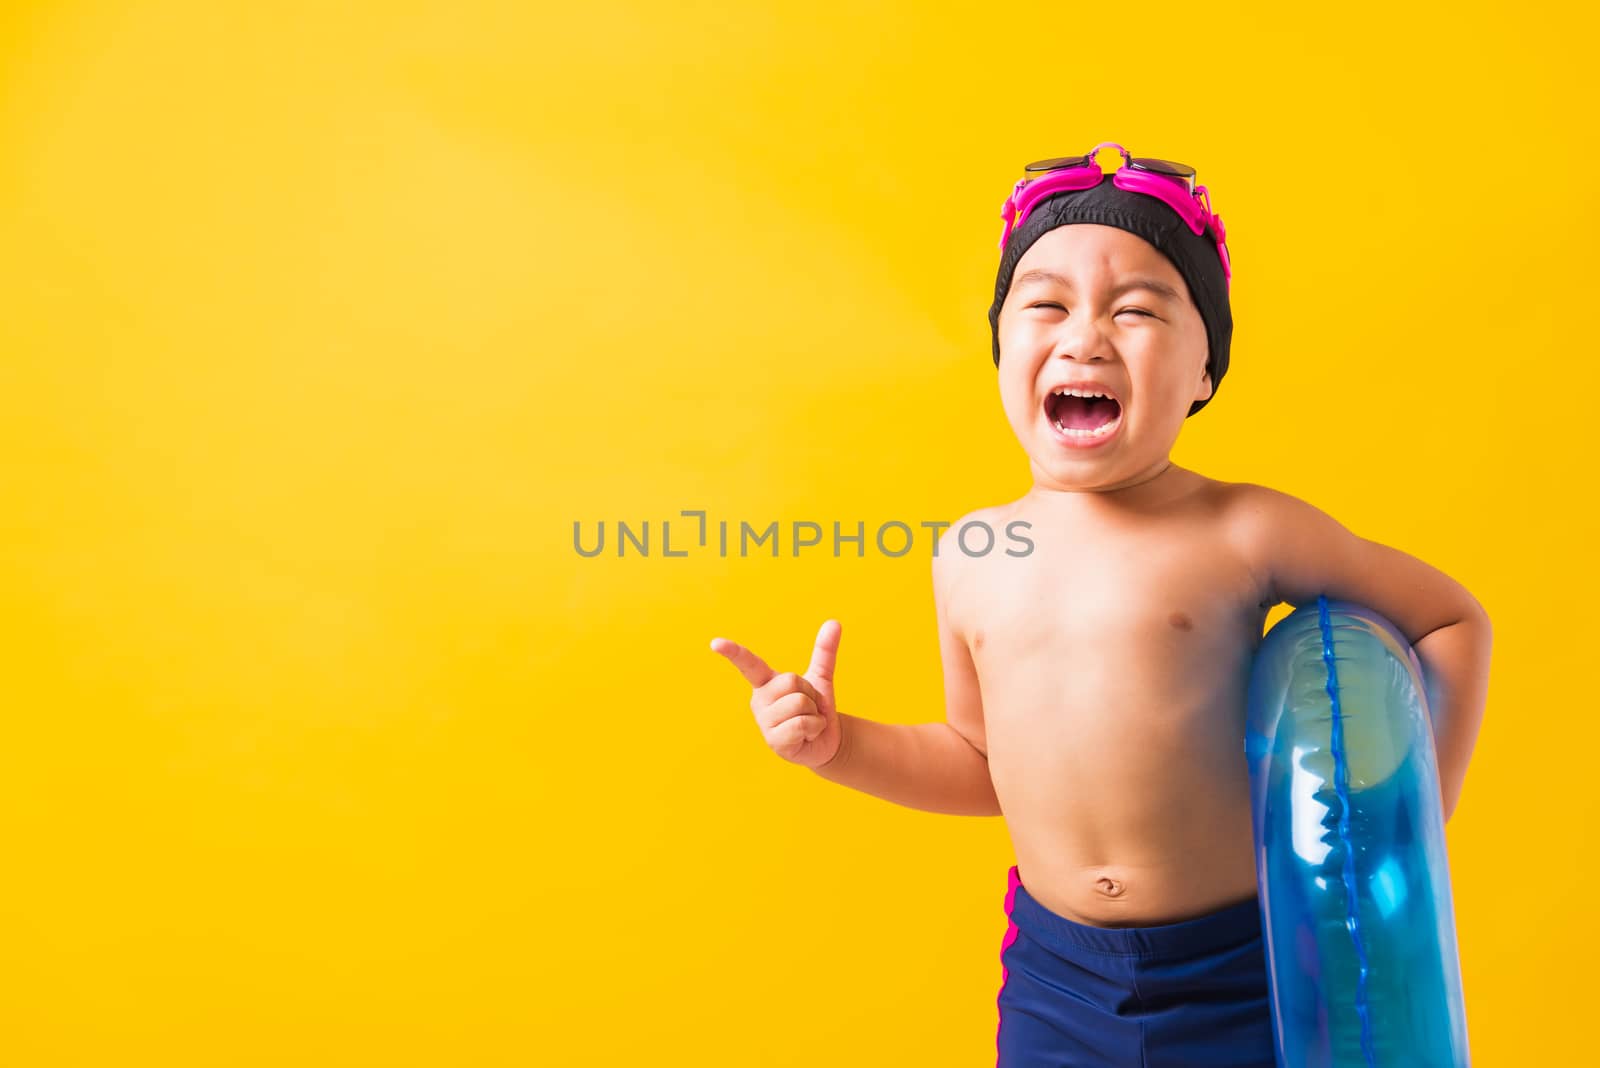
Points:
1269	521
949	561
1214	497
957	555
1249	508
1304	553
1259	520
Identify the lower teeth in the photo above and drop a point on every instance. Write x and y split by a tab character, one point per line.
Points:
1097	432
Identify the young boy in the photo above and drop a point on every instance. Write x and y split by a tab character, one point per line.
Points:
1096	687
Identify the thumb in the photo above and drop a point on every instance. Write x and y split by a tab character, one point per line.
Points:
825	654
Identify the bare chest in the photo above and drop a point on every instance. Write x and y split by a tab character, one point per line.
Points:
1164	613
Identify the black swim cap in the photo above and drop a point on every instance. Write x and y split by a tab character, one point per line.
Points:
1194	255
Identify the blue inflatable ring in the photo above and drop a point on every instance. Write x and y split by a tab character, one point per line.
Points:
1351	865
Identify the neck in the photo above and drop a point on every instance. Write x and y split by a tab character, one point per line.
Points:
1154	485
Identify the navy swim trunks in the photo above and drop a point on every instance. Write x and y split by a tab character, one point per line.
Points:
1182	995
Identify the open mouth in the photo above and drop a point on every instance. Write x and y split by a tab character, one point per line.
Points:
1083	417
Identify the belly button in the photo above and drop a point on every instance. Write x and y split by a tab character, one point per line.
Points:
1181	621
1108	887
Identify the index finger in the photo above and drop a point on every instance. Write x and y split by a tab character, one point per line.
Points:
752	667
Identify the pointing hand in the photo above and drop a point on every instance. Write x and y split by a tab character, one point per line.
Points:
796	713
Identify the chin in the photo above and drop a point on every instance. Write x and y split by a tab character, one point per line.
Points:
1079	473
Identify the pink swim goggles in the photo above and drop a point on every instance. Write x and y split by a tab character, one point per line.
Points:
1172	183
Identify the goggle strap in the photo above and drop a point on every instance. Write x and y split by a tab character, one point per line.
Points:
1008	212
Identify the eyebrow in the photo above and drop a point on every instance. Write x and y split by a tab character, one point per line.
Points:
1160	288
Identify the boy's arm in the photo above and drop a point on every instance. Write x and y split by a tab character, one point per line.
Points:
1306	552
924	766
936	767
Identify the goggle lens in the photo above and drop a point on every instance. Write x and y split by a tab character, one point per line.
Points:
1057	164
1163	166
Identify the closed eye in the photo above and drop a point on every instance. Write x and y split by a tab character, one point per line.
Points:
1053	304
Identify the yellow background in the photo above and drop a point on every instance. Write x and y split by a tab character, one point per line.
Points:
322	327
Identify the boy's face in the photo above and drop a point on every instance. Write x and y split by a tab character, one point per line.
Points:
1146	349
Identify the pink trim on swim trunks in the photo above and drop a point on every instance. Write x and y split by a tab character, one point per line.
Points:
1013	880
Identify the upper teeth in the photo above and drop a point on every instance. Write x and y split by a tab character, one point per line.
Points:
1081	393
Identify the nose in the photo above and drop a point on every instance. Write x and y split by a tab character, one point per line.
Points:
1082	340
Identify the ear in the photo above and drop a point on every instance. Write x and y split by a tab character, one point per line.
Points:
1205	384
